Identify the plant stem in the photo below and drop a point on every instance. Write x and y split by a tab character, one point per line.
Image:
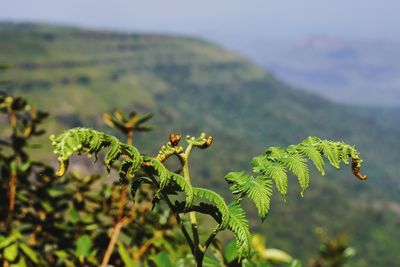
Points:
121	221
147	245
115	234
198	251
111	244
11	204
177	217
129	137
211	238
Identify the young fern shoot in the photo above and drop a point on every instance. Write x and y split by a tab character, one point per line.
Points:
269	168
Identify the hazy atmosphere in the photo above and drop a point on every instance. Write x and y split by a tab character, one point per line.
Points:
308	43
370	19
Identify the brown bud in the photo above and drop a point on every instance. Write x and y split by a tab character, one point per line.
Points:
174	139
355	167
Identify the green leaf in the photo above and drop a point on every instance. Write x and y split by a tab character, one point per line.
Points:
46	206
248	263
56	192
217	200
210	262
113	153
138	182
230	252
330	150
277	172
258	189
185	186
298	166
162	260
10	253
239	225
30	253
83	246
73	215
308	148
275	162
160	169
295	263
62	254
125	256
21	263
5	242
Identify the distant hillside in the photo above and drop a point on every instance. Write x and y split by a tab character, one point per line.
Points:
360	71
195	86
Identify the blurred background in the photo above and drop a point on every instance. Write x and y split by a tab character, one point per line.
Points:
253	74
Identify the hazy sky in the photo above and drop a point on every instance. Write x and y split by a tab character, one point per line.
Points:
207	18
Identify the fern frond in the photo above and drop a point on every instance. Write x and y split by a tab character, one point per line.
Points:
239	226
276	160
138	182
217	200
344	152
308	148
331	151
203	141
297	164
185	186
113	153
258	189
124	169
81	140
273	169
160	169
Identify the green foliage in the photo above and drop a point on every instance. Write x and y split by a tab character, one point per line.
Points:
133	123
216	200
50	221
239	225
258	189
272	166
138	169
84	246
334	251
276	162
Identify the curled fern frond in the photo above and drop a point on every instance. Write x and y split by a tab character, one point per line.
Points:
258	189
276	161
81	140
159	168
217	200
138	182
113	153
203	141
204	208
185	186
239	226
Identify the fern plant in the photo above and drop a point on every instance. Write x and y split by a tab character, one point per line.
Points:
186	200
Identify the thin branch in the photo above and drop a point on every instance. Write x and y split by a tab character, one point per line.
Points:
179	221
111	244
211	238
177	217
147	245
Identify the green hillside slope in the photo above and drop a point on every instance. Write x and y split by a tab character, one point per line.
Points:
195	86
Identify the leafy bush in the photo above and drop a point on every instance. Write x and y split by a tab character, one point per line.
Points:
269	168
83	221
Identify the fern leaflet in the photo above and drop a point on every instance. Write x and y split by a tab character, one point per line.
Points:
239	225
